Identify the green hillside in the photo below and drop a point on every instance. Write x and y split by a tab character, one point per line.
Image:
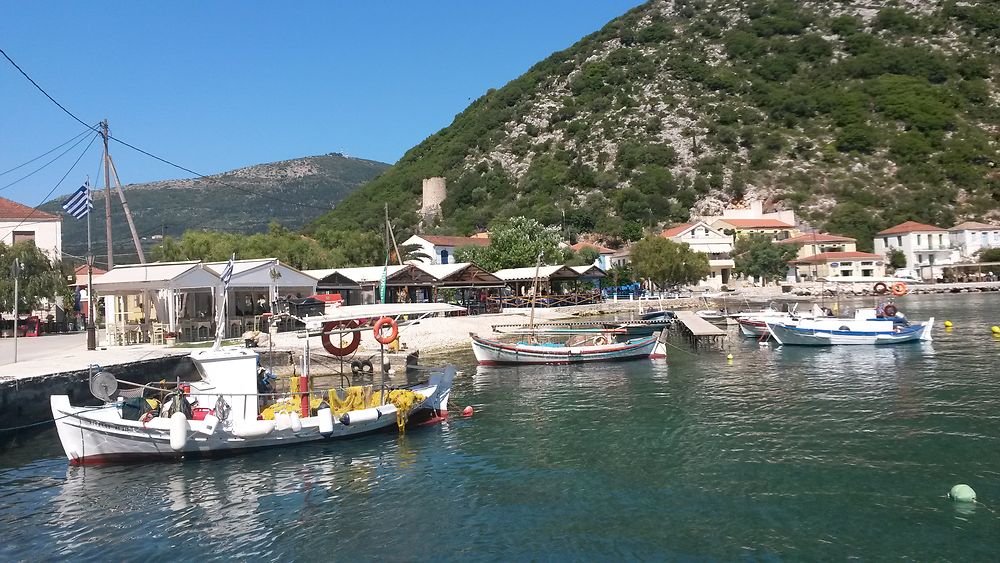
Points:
290	192
857	114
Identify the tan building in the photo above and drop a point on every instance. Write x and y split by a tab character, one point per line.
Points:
811	244
841	267
774	228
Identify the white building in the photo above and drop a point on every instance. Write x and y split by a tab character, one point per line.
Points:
604	255
718	245
20	223
441	249
925	247
970	237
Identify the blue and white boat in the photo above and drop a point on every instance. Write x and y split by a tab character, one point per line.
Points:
493	352
867	327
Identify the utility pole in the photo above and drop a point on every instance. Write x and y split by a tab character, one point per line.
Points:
16	271
128	213
107	195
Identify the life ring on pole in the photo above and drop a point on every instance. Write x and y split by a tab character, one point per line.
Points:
393	332
890	310
899	289
880	288
332	326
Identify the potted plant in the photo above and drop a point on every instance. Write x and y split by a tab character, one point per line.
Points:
170	338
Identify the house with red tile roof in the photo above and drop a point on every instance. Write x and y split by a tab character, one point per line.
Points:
811	244
441	248
604	254
717	244
20	223
926	247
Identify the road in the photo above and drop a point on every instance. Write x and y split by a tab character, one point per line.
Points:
41	347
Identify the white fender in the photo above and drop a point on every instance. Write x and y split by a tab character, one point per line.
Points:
211	423
178	431
252	428
325	417
361	416
296	422
282	421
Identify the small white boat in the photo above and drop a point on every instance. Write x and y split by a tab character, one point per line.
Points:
754	324
493	352
866	328
232	422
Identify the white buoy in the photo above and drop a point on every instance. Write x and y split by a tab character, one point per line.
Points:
252	428
178	431
962	493
296	422
325	416
282	421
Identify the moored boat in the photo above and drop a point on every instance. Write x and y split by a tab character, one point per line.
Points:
492	352
867	327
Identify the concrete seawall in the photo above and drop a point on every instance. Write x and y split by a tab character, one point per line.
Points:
25	401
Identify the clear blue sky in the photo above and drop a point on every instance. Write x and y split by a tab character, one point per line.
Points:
219	85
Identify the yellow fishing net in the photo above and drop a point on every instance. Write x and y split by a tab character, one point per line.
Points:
355	398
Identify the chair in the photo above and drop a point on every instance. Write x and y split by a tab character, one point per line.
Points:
116	334
158	334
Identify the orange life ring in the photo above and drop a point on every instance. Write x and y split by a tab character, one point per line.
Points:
393	333
880	288
336	350
899	289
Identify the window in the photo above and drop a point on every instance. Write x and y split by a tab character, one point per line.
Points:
899	241
846	273
21	236
918	240
868	273
444	256
866	263
920	258
941	240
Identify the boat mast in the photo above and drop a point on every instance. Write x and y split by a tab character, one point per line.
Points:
534	293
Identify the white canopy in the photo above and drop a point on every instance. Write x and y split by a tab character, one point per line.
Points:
544	273
258	273
135	278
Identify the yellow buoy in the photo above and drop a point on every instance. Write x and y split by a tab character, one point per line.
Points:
947	324
995	329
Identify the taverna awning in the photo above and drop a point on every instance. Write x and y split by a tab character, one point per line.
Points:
355	278
135	278
461	274
547	273
263	273
589	272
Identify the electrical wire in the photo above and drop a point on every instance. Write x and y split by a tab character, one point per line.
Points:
46	153
46	198
32	173
151	155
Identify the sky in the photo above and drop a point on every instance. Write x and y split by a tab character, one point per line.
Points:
219	85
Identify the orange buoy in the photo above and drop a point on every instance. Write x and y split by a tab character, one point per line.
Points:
899	289
393	330
467	411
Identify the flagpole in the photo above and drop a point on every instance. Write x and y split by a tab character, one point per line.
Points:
91	328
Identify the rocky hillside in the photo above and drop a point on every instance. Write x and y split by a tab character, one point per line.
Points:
858	114
246	200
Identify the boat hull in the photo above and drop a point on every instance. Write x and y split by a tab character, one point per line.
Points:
492	352
752	328
786	334
96	435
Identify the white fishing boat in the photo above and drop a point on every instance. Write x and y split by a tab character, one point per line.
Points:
494	352
754	324
867	327
228	410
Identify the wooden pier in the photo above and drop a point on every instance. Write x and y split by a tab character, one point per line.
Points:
698	330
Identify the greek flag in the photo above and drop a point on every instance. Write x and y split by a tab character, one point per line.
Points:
227	273
79	204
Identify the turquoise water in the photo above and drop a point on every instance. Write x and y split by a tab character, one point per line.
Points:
785	454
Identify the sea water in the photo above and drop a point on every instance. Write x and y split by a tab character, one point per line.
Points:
785	453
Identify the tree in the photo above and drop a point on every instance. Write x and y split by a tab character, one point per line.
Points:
514	243
758	256
585	257
39	279
989	255
667	263
897	259
410	252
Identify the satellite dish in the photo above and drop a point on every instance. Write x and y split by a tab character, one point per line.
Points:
103	385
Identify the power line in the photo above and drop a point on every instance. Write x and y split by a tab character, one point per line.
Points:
46	198
44	153
40	89
33	172
149	154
